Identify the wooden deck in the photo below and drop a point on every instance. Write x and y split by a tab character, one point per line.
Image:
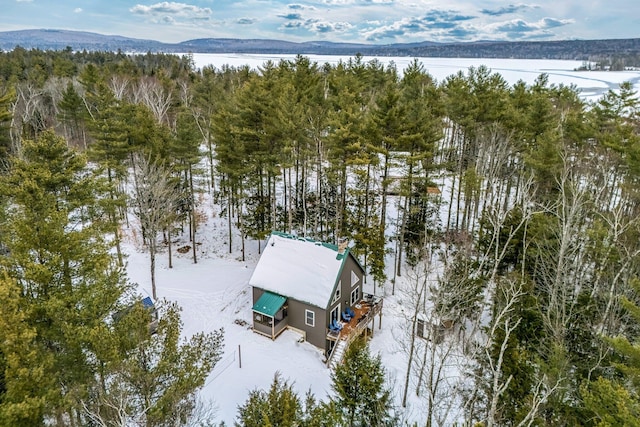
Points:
365	310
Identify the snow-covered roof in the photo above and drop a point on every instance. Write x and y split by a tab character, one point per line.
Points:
299	268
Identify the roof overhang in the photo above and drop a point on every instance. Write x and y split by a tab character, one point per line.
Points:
269	304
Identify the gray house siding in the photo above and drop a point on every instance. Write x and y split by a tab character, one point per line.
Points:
317	333
344	301
257	293
346	288
296	318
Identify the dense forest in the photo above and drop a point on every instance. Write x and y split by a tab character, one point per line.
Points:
533	271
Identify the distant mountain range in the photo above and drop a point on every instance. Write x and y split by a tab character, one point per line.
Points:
567	49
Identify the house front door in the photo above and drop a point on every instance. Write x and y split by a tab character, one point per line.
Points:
335	314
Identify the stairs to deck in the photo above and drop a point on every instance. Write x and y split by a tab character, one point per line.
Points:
337	354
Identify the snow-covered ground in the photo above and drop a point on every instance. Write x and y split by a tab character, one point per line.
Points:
214	293
592	84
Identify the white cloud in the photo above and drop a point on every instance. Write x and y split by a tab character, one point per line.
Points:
323	27
297	6
516	26
172	8
77	10
24	1
318	26
246	21
340	2
433	24
509	9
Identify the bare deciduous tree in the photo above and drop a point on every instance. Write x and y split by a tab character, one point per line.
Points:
151	93
119	85
155	198
505	320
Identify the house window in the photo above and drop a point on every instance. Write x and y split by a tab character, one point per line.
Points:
336	297
355	295
309	318
354	278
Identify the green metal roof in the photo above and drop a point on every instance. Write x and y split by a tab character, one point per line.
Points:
269	303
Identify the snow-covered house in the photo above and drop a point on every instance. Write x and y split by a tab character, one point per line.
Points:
310	286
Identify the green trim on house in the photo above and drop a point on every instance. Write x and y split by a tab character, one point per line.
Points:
306	239
269	304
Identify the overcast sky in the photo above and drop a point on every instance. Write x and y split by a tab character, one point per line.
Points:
362	21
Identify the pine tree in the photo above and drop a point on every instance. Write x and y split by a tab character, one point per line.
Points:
25	382
611	403
614	399
281	406
66	282
359	383
149	376
5	120
345	140
387	129
186	154
421	128
110	150
208	92
278	407
72	114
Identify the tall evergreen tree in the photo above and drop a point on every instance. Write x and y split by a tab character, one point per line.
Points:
278	407
421	128
345	140
66	282
359	383
148	375
5	120
110	149
186	155
72	114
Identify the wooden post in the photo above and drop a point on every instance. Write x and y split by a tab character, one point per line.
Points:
239	357
373	325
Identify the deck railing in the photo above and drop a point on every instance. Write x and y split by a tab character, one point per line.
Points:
362	323
272	331
375	307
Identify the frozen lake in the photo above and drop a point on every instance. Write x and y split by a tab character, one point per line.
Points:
592	84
